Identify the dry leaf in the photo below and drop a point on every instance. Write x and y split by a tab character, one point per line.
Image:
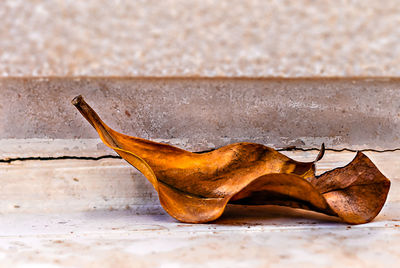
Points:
196	187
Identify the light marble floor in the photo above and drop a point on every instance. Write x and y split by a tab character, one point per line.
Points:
70	213
243	237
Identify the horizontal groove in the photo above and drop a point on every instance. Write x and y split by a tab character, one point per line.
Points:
289	149
338	150
10	160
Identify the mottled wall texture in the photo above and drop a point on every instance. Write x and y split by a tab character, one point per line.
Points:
208	113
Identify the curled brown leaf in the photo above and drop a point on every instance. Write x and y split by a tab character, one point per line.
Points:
196	187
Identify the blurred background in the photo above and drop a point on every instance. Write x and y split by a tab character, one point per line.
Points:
250	38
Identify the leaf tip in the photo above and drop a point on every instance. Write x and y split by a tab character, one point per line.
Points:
77	100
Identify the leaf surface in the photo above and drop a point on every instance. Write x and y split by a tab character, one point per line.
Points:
196	187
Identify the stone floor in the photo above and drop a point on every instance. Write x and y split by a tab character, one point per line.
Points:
243	237
48	219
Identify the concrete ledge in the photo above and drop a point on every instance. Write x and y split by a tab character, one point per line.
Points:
199	114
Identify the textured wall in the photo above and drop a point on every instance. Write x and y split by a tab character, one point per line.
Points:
253	38
207	113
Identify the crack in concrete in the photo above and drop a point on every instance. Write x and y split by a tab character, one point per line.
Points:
338	150
10	160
